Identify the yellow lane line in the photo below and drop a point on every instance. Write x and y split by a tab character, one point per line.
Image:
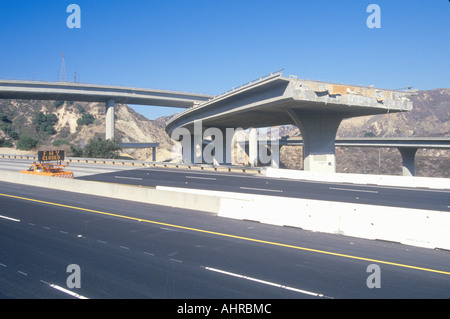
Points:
232	236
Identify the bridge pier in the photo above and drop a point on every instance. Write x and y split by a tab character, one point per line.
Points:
110	120
212	145
192	150
263	151
408	159
253	147
318	131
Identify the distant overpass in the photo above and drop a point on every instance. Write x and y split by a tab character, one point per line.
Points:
407	146
387	142
67	91
316	108
153	146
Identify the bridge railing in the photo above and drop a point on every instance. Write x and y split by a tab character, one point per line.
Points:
246	84
121	86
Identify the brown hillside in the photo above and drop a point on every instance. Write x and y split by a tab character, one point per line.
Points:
130	125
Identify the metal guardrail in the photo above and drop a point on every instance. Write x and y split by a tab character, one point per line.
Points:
121	86
123	162
233	90
249	83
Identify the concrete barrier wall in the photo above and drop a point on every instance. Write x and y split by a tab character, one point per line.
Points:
421	228
382	180
204	203
407	226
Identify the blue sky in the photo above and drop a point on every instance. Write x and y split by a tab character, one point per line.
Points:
210	46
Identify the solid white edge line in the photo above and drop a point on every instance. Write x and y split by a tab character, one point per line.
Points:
73	294
206	178
10	218
262	189
353	190
125	177
265	282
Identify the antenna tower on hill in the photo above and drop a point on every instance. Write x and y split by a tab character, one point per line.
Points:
63	69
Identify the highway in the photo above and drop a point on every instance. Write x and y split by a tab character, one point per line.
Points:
419	198
141	251
432	199
133	250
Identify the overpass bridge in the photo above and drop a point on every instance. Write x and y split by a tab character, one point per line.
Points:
316	108
110	95
407	146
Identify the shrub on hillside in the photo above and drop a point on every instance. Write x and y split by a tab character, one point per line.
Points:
86	119
27	143
58	104
45	123
98	148
6	126
60	142
5	143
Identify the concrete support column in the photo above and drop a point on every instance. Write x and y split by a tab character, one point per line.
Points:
211	145
194	151
214	151
275	154
110	120
274	149
253	147
269	151
185	153
191	152
194	155
408	159
220	148
318	131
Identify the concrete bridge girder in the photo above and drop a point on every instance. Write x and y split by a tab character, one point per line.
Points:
316	108
67	91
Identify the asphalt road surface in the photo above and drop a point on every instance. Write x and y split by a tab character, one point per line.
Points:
432	199
419	198
132	250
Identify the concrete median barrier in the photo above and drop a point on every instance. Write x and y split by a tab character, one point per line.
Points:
416	227
205	203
